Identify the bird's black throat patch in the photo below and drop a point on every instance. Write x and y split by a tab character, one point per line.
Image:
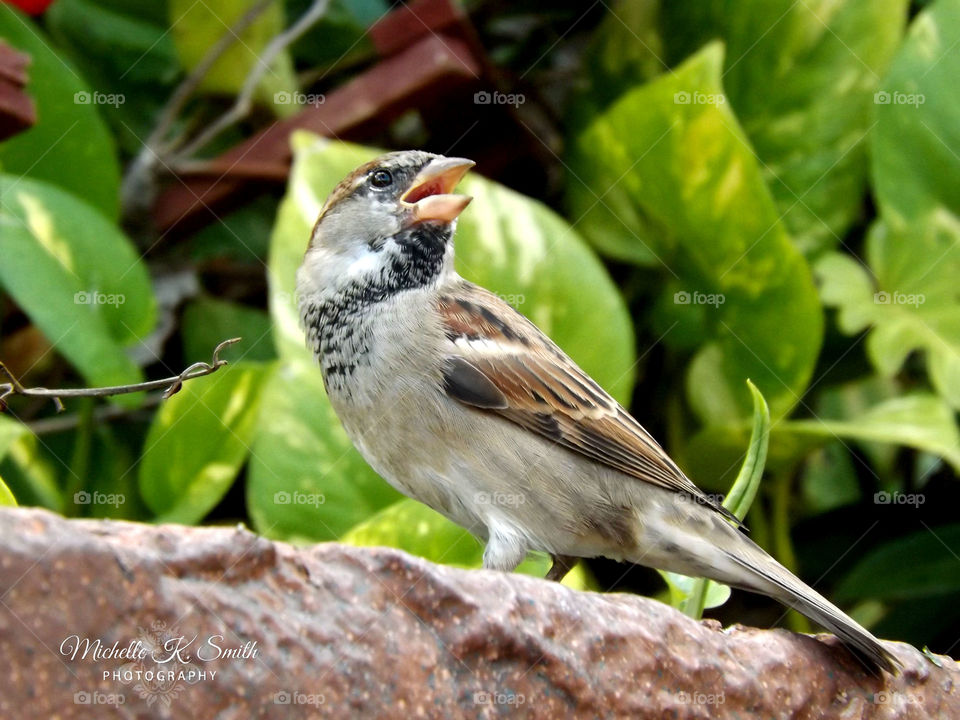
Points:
336	327
420	256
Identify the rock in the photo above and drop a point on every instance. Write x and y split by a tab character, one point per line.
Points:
220	623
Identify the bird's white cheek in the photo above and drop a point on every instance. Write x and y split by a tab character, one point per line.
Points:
362	264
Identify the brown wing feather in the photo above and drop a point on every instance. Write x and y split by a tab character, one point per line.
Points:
533	383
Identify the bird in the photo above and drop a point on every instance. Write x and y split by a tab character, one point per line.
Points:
459	401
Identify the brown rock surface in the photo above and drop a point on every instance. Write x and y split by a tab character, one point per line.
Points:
335	631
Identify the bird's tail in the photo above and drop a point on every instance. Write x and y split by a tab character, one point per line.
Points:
765	575
727	555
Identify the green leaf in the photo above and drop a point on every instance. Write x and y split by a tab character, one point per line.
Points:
418	530
829	479
6	497
69	146
10	432
912	305
197	26
241	236
207	322
913	251
78	278
307	482
917	566
918	420
666	176
29	472
744	490
915	166
123	49
801	77
694	596
198	441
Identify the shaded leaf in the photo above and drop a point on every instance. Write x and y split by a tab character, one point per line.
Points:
198	441
829	479
29	473
207	322
919	420
122	49
665	176
341	36
77	277
920	565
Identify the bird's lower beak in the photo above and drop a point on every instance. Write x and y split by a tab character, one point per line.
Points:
429	196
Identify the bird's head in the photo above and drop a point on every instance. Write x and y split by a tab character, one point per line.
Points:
389	224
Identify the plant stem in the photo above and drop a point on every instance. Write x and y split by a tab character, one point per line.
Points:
783	545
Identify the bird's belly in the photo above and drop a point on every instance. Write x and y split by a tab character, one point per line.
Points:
485	474
401	439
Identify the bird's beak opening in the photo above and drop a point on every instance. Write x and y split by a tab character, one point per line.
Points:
430	198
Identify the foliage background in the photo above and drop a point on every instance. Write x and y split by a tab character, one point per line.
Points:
713	191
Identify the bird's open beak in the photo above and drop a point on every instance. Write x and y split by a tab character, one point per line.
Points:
429	196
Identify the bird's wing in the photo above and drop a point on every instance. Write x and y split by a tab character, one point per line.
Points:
500	362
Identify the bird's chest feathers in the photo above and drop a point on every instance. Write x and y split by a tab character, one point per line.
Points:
363	345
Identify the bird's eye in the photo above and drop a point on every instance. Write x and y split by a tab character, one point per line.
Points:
381	179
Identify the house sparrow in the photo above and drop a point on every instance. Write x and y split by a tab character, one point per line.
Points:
460	402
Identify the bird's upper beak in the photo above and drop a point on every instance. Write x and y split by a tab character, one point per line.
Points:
429	198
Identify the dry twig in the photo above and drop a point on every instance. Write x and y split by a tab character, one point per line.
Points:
172	384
